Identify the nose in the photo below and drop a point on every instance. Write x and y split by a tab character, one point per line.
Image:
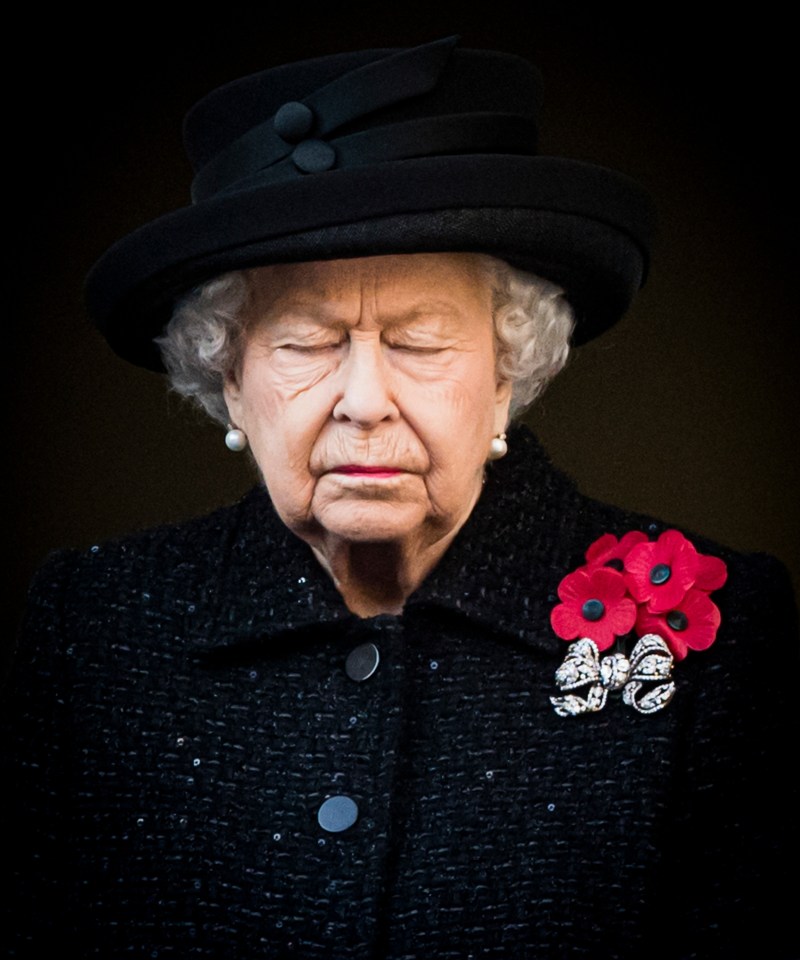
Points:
366	394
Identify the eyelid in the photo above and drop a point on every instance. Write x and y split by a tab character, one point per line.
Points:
298	347
396	338
417	347
417	341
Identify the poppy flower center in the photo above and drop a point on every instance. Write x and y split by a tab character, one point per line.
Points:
593	609
677	620
660	573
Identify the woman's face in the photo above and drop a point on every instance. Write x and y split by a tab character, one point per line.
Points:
368	394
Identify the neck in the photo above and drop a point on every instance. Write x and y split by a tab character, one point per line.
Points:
375	578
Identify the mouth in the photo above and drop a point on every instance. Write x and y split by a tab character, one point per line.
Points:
360	470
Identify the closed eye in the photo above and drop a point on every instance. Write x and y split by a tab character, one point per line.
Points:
310	348
411	341
416	348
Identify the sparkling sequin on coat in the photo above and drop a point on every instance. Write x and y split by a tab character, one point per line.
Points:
186	707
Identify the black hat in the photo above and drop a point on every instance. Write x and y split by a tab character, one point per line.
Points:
419	150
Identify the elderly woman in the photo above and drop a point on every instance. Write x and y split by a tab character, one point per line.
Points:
414	696
372	392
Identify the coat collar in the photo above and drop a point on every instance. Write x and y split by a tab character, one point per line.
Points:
501	571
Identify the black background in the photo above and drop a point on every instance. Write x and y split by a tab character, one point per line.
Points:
688	409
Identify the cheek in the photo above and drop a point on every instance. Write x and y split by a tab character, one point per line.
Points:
282	426
262	409
277	412
455	418
259	400
273	385
467	400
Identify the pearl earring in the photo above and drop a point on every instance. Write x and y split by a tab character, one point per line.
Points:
498	447
235	439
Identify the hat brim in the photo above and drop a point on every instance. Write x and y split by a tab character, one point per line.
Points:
582	226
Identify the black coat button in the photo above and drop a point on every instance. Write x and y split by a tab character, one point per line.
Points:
362	662
337	814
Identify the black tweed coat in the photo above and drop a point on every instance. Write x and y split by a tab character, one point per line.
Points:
185	709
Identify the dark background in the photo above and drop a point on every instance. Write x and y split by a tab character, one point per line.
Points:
688	409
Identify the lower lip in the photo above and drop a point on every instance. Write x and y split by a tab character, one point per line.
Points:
373	473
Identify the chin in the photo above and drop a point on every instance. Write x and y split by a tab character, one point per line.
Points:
372	523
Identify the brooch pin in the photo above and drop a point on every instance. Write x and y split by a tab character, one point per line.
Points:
659	591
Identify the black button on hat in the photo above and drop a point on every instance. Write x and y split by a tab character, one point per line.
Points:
293	121
337	814
362	662
314	156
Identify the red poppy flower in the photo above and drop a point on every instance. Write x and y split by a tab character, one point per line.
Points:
608	550
661	573
711	573
594	605
691	625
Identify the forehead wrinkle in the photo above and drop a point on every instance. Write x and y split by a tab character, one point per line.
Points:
277	320
425	310
351	294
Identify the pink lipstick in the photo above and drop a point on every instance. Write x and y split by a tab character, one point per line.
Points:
359	470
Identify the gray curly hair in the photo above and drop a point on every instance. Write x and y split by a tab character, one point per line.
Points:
533	322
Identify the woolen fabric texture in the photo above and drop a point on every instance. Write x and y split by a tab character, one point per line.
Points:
183	710
390	151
